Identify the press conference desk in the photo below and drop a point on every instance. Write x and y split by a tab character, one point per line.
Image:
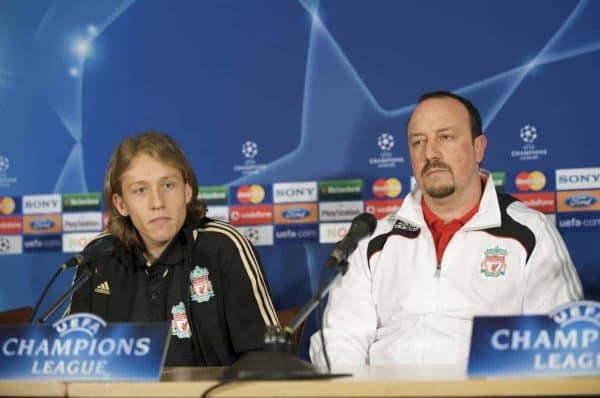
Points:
398	381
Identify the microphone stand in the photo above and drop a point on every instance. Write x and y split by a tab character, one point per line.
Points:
278	361
85	276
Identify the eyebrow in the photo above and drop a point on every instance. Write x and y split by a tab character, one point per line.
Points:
438	131
160	179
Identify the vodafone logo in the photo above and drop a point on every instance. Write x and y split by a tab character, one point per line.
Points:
389	188
530	181
381	208
250	194
251	215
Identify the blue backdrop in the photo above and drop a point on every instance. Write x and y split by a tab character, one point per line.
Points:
265	92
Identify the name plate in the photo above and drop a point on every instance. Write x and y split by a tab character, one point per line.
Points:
564	343
83	347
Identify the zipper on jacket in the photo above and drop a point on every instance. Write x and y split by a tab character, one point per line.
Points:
438	270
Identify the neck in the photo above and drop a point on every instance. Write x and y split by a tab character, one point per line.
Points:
153	253
456	205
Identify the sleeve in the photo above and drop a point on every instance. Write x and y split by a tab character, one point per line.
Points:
81	300
350	318
551	278
248	307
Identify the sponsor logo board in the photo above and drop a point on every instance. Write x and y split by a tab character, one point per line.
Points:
81	201
295	213
541	201
303	233
578	200
250	194
213	195
42	243
258	235
499	178
292	192
218	213
76	241
42	224
584	221
339	211
42	204
586	178
386	188
9	205
10	225
340	189
251	214
530	181
333	232
382	208
89	221
11	244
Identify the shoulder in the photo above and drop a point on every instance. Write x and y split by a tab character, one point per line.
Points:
219	233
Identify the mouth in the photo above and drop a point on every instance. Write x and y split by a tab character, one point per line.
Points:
160	221
434	170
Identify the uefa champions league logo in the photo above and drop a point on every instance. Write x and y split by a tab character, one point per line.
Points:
528	133
4	245
252	235
249	149
4	164
385	142
385	159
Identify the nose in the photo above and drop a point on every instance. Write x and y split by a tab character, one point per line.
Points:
431	150
157	199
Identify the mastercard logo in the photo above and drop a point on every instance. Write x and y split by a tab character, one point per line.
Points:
7	205
389	188
534	181
250	194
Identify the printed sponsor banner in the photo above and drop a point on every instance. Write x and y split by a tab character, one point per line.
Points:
249	194
295	233
578	200
295	213
333	232
584	221
530	181
42	243
339	211
213	195
91	221
42	224
499	178
340	189
11	244
587	178
251	215
42	204
73	242
10	225
381	208
10	205
388	188
565	342
83	347
541	201
258	235
218	213
291	192
81	201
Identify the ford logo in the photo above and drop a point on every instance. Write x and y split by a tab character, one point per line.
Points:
41	223
582	200
295	213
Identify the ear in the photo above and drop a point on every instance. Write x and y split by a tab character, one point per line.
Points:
188	193
120	205
480	145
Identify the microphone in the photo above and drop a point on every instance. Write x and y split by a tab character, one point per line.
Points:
102	245
362	226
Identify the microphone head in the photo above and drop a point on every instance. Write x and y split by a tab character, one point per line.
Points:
101	245
368	220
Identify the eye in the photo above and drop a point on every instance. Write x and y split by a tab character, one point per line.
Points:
446	137
140	190
416	142
169	185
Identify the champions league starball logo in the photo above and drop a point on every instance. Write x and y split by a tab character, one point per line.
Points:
528	134
4	164
4	245
385	142
249	149
252	235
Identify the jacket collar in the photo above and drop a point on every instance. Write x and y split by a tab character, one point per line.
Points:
488	215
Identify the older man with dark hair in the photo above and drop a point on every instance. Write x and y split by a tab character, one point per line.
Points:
455	249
